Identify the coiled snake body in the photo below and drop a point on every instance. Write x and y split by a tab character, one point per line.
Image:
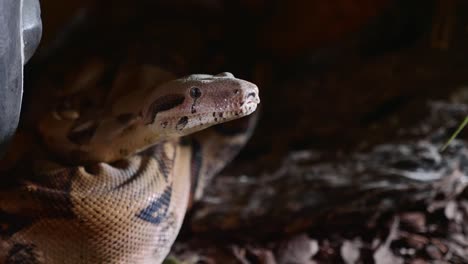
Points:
106	176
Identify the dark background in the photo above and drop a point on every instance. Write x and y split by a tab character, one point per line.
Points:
333	74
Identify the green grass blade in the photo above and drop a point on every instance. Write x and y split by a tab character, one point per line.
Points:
454	135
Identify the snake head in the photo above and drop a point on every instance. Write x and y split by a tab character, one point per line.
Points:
195	102
146	117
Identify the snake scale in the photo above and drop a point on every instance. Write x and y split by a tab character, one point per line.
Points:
105	173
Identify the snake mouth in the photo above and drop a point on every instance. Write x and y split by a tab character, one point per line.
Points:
249	107
253	101
192	122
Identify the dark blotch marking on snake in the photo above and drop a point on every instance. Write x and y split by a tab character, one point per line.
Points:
170	223
158	153
164	162
183	121
156	211
22	253
82	136
161	104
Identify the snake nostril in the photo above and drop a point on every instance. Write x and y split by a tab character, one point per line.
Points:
253	94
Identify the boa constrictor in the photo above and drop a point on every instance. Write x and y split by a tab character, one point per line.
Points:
106	176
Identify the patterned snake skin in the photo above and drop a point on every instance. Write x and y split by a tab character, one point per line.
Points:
105	174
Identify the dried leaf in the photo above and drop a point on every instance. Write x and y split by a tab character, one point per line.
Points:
452	212
383	255
350	251
299	249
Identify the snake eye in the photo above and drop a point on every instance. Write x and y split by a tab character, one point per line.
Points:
195	92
